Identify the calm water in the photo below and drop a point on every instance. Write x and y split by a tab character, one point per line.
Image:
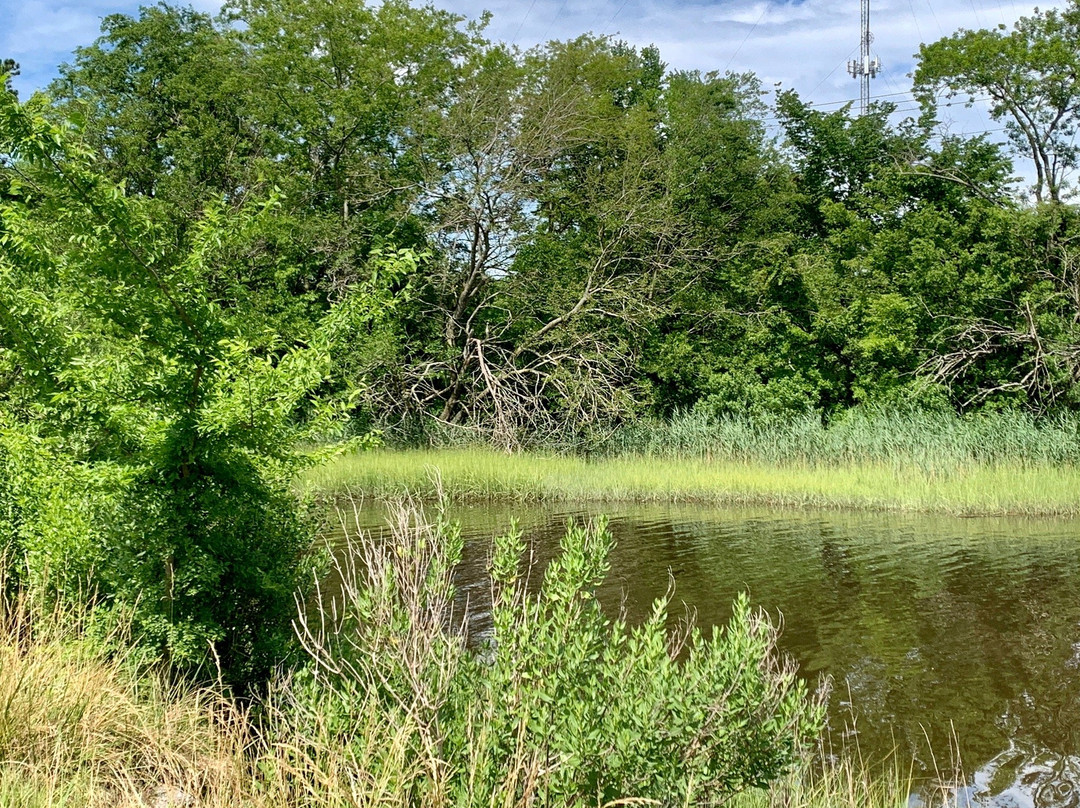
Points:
960	636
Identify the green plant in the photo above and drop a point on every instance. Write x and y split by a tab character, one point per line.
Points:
150	422
561	704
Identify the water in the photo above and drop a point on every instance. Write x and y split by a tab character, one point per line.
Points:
949	642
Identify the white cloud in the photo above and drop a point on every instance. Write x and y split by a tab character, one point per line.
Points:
804	45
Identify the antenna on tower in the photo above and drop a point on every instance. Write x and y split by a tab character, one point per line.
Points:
867	66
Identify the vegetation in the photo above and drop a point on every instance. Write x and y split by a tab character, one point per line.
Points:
560	704
482	474
992	463
226	240
599	238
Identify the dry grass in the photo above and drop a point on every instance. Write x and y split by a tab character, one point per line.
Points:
82	726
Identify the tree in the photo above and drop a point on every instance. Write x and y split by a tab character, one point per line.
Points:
1030	75
9	68
347	96
133	384
159	99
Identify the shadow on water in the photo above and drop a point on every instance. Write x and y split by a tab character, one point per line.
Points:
960	636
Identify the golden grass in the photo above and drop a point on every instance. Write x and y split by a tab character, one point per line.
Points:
480	474
80	726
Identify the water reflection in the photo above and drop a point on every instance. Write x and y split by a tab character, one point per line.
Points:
960	636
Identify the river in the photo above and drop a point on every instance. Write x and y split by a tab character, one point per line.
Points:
953	643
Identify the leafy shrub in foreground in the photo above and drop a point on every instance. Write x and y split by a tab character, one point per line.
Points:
149	418
562	705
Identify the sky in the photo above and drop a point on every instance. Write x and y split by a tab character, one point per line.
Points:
801	44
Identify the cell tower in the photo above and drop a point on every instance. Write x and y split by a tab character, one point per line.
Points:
867	66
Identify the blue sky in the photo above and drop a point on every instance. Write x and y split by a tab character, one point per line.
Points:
802	44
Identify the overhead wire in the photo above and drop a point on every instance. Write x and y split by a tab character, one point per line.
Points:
553	20
521	24
761	16
618	11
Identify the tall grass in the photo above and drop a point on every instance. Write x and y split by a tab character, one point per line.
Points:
82	724
486	475
984	464
861	434
922	438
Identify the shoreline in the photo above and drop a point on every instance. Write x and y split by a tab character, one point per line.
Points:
479	475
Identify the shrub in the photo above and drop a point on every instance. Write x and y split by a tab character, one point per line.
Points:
149	419
560	704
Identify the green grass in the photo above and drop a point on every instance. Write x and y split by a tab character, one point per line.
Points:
925	439
962	488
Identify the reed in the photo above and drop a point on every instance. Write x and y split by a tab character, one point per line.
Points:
479	474
860	434
843	783
83	723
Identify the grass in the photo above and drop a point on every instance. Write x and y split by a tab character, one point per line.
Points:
911	438
82	724
479	474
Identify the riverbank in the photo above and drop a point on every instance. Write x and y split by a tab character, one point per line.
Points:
91	722
476	474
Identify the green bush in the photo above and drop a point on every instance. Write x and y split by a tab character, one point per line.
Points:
149	419
560	704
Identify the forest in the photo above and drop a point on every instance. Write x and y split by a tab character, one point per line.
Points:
595	237
237	250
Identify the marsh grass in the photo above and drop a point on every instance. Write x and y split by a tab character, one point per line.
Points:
1004	463
844	783
82	723
478	474
927	440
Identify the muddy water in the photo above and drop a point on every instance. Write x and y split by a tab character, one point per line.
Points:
947	640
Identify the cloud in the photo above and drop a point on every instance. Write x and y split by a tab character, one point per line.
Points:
800	44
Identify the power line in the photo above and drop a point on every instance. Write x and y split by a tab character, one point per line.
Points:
618	11
761	16
522	23
553	21
829	74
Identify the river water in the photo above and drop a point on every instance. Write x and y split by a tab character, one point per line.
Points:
948	642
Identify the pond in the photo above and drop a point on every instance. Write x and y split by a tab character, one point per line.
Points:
949	642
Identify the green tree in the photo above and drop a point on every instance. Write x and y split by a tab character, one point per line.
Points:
165	405
9	68
1031	77
159	99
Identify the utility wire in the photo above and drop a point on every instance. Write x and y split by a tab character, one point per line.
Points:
553	20
618	11
522	23
761	16
829	74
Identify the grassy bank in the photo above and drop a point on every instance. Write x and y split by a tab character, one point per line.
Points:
388	714
962	488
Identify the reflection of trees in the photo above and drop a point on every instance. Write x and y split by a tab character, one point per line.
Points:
1024	775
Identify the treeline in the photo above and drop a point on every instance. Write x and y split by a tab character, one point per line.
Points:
600	236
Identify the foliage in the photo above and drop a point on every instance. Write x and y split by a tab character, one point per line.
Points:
133	385
603	237
1029	75
561	704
